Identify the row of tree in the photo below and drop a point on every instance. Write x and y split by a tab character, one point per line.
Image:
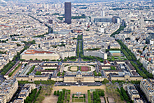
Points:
143	72
64	95
140	65
113	68
123	95
89	96
7	67
31	97
37	94
126	51
97	74
31	70
79	43
96	95
47	82
14	70
77	48
92	58
118	31
122	81
130	56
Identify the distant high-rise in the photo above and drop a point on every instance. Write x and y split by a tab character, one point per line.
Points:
68	12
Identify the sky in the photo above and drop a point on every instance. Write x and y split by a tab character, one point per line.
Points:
54	1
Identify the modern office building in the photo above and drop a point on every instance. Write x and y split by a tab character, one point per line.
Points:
102	19
68	12
116	19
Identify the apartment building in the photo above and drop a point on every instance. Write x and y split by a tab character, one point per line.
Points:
8	89
147	86
132	92
26	90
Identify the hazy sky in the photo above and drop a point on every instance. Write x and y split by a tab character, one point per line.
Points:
54	1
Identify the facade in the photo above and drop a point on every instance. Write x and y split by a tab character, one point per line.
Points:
2	99
115	19
125	77
102	19
67	54
32	77
34	54
136	100
115	52
19	100
26	90
125	71
84	77
132	92
8	89
147	86
68	12
79	77
97	53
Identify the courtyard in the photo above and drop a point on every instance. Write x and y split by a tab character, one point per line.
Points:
73	89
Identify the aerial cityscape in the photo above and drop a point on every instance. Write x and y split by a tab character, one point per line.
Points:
77	51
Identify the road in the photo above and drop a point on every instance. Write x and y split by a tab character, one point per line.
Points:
78	84
1	78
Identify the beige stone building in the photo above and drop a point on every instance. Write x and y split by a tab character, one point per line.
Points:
34	54
19	100
79	78
32	77
26	90
138	100
8	89
132	92
147	86
2	99
125	77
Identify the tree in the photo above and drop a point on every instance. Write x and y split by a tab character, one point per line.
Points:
58	74
105	81
99	74
58	93
102	93
63	74
38	73
55	93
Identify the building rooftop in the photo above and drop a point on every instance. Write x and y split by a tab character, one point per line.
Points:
37	52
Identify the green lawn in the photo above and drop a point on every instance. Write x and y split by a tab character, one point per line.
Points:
78	100
112	58
72	59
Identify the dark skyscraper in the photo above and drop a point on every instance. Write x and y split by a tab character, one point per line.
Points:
68	12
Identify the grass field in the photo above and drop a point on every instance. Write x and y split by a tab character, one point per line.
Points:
112	58
111	91
45	91
78	100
